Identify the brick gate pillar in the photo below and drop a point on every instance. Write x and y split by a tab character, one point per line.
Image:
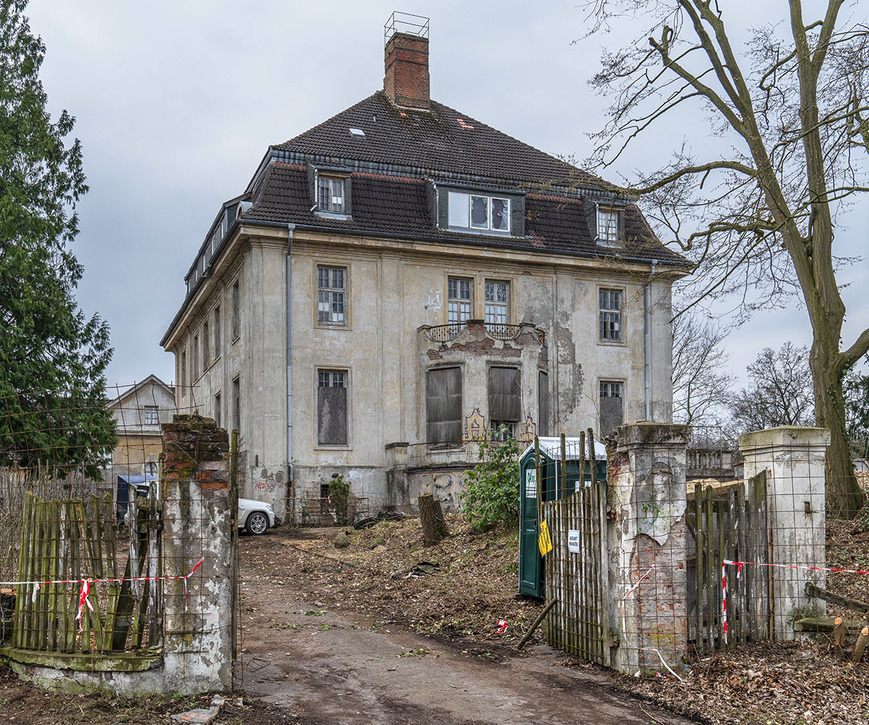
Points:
793	459
646	503
197	524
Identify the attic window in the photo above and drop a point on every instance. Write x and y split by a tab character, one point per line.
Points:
357	132
478	212
330	194
609	222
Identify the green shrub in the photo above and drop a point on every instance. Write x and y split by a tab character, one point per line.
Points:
339	492
490	490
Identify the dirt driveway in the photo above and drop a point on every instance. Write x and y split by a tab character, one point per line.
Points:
338	666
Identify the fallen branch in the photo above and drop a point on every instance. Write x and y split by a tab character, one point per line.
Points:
535	624
853	604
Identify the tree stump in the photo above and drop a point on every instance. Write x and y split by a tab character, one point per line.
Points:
434	527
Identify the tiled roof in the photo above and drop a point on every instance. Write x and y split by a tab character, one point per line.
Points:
400	206
438	140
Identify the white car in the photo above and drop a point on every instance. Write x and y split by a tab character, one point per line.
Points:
255	517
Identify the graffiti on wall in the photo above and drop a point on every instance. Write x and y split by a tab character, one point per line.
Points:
446	488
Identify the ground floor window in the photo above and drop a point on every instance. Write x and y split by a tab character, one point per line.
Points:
611	406
443	403
332	407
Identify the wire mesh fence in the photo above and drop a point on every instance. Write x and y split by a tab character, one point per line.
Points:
84	567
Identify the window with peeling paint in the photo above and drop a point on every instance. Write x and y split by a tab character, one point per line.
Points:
497	302
460	300
332	295
610	301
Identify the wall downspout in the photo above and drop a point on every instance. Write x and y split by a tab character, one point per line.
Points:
647	340
290	483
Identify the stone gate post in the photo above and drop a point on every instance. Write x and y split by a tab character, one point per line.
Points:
646	505
197	524
793	459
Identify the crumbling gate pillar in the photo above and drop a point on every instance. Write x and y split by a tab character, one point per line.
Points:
646	505
197	526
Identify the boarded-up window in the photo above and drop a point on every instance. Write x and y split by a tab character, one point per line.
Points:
505	399
443	404
332	407
543	403
611	409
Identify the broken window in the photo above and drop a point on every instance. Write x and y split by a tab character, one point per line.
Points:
608	223
611	407
332	295
476	211
460	300
152	415
330	194
497	303
610	315
332	407
443	404
542	403
505	401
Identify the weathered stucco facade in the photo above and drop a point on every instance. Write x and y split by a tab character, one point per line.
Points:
288	302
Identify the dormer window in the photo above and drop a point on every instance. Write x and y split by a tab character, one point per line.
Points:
330	194
479	212
609	222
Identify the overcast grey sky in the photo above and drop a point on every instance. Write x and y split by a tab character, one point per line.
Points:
176	103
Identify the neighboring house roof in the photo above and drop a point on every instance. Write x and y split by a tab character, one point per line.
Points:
134	391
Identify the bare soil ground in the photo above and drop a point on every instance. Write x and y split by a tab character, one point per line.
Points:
424	646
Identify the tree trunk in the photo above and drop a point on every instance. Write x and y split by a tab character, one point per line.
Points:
434	527
844	495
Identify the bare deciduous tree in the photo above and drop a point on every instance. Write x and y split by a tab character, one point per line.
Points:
779	391
700	384
757	212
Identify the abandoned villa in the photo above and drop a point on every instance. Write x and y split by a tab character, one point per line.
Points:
402	278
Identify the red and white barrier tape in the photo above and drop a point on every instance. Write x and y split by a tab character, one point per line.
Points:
85	585
739	564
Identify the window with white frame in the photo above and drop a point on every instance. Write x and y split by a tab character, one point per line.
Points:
332	407
497	302
330	194
152	415
478	212
332	295
151	468
610	315
460	300
608	223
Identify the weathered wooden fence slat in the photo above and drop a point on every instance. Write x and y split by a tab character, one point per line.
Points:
74	541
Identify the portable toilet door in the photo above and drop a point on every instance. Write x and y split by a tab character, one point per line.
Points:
550	486
530	561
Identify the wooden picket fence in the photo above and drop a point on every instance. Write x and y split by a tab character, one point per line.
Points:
728	524
73	542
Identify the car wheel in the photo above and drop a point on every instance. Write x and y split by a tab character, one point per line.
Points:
257	523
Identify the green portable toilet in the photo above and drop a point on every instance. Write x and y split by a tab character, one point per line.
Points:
548	487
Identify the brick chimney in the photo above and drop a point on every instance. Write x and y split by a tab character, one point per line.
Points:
407	80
